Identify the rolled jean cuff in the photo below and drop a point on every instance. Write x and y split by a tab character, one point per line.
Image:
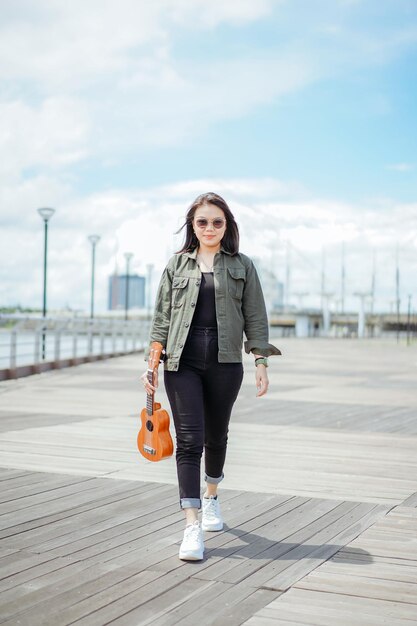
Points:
190	503
213	481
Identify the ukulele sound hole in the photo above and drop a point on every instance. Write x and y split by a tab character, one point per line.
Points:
149	425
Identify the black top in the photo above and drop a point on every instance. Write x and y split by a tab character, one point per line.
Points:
205	310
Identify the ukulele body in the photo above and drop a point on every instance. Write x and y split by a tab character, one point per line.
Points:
154	439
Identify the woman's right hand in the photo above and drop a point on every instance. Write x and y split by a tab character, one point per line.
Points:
150	389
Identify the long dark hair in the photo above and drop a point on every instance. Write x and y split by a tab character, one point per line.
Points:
230	241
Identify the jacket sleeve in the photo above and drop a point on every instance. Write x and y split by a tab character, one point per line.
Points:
162	312
254	312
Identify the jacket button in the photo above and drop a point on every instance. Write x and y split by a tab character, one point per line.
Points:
197	283
180	345
192	303
186	326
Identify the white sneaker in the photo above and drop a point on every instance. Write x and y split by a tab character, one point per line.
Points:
192	546
212	517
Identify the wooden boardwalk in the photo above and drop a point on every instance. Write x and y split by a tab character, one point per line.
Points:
319	499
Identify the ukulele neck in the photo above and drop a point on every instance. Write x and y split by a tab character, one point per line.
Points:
150	396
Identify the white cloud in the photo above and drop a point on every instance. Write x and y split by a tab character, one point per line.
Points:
401	167
105	79
67	44
52	134
102	80
269	214
210	14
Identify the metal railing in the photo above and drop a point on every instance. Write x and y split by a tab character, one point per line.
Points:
30	341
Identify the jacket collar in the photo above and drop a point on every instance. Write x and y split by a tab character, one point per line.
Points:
193	253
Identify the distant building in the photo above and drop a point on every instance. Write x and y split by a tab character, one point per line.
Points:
117	291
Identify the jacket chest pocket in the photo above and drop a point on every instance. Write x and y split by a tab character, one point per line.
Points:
179	284
236	282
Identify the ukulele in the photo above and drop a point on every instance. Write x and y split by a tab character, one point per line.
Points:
154	439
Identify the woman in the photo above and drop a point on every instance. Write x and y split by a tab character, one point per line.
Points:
209	295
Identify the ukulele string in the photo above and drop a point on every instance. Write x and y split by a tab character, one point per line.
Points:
149	396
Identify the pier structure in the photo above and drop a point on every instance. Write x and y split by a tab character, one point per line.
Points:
319	498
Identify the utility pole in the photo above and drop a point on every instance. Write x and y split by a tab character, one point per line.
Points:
409	319
372	321
362	295
93	239
46	215
325	298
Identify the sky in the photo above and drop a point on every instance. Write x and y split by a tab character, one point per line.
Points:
300	113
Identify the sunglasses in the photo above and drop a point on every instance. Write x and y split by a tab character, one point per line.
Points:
201	222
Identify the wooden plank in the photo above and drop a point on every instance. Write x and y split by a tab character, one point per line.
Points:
101	602
95	541
300	560
234	614
48	573
385	571
31	488
363	586
97	550
17	478
270	546
237	602
230	541
113	523
328	609
165	604
42	497
61	529
404	549
411	500
43	605
345	555
7	473
90	493
103	506
125	549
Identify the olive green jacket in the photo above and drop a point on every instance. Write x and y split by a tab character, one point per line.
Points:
240	307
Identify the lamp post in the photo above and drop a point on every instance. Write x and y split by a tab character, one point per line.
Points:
128	257
46	215
93	239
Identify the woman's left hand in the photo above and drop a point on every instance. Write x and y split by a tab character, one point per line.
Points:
262	381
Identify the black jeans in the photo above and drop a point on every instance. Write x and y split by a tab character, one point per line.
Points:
201	394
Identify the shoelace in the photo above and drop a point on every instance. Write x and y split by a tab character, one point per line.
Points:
210	509
192	532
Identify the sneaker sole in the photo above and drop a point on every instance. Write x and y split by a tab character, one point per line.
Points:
191	556
214	528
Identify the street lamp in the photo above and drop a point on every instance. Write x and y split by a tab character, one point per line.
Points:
128	257
93	239
46	215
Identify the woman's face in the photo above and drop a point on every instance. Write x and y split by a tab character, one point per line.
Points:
209	225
